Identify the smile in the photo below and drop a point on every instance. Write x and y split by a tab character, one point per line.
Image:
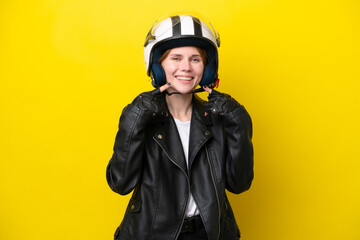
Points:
184	78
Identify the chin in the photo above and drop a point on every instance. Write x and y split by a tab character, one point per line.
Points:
184	91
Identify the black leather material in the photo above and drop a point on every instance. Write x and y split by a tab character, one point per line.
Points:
220	103
148	159
154	109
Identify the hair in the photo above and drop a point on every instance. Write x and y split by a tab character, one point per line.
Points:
200	50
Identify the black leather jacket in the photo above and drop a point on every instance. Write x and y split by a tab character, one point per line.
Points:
149	159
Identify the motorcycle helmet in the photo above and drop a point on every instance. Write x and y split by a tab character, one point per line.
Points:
177	31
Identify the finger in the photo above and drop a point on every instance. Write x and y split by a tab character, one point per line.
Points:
164	87
206	88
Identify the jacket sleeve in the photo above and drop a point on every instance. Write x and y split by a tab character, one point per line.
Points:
124	168
239	160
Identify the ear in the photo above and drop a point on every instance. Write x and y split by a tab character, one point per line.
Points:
158	75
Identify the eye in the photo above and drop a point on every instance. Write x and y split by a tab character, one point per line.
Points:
196	60
175	58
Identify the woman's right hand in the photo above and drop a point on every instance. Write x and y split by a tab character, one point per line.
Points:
150	103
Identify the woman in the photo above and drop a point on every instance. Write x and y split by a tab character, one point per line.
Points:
177	152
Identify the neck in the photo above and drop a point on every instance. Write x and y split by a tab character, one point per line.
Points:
180	106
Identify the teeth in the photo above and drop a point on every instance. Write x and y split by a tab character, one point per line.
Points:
184	78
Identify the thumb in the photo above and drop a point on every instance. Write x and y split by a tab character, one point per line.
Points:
206	88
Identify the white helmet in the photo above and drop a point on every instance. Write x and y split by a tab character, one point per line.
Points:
178	31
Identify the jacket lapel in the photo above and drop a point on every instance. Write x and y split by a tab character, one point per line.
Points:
169	140
199	131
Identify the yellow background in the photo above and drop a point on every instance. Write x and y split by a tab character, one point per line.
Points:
69	67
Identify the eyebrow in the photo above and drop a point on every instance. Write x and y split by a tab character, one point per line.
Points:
178	54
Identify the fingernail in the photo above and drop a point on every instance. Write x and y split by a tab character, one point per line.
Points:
169	83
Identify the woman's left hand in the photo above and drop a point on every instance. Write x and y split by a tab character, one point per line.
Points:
219	103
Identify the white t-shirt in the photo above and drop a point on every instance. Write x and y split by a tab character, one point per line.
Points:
184	132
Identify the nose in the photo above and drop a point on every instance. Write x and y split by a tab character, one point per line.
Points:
185	65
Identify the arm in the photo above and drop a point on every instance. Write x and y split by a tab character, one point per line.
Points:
124	169
239	162
238	130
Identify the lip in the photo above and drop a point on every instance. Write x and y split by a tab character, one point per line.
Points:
184	81
184	78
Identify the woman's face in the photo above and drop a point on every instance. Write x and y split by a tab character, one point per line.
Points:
184	68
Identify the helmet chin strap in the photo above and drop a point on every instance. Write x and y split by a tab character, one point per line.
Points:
193	91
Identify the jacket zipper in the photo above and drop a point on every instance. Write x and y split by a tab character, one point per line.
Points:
188	182
213	180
